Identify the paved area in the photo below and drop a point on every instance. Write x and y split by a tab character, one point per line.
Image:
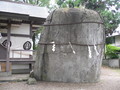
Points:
14	78
110	80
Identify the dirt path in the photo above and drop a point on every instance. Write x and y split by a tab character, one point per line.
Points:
110	80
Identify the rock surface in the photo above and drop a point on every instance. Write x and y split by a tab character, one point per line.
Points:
71	47
31	81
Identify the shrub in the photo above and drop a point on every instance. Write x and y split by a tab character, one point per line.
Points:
111	52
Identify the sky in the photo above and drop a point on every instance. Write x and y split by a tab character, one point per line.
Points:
117	31
52	2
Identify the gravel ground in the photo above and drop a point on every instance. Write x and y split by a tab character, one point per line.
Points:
110	80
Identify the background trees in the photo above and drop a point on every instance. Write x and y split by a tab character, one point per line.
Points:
36	2
108	9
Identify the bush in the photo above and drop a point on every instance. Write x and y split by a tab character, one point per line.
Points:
111	52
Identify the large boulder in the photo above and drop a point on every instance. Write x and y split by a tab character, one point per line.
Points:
71	47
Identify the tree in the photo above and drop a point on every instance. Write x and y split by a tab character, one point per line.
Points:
36	37
36	2
110	16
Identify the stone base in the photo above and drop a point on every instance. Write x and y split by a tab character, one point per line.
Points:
114	63
31	81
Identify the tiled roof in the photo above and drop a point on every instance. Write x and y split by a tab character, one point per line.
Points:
21	8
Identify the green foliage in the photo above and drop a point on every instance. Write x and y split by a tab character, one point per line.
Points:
36	37
42	3
110	40
110	16
111	21
111	52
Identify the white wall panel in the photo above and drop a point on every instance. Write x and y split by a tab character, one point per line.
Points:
22	29
117	40
17	44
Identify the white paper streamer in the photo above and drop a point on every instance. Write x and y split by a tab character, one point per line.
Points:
31	71
72	48
95	48
89	50
53	46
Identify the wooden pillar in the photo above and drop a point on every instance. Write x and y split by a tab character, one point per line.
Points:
31	30
8	47
33	39
32	35
119	63
30	67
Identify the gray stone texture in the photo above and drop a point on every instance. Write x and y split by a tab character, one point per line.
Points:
63	65
114	63
31	81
